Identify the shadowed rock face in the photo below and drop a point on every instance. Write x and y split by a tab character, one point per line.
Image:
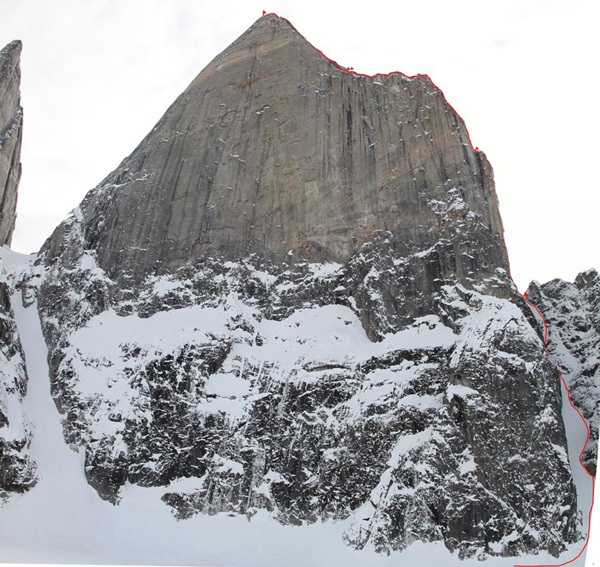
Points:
11	123
274	150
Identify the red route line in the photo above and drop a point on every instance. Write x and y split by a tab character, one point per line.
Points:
587	428
351	71
543	321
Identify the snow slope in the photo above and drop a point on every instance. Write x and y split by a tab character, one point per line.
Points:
593	555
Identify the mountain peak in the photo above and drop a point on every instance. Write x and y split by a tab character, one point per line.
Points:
271	24
293	298
11	122
14	47
277	151
271	38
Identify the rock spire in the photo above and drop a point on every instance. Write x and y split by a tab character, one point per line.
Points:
11	123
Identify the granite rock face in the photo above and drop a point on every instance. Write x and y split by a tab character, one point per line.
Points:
572	313
11	124
274	150
294	296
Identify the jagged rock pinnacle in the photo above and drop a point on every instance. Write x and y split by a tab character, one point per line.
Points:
11	122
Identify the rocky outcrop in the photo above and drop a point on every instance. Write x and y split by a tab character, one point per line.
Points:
572	313
17	468
11	123
294	297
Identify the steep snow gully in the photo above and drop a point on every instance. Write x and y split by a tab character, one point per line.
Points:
62	520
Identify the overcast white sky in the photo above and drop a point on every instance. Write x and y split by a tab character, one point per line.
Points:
97	76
